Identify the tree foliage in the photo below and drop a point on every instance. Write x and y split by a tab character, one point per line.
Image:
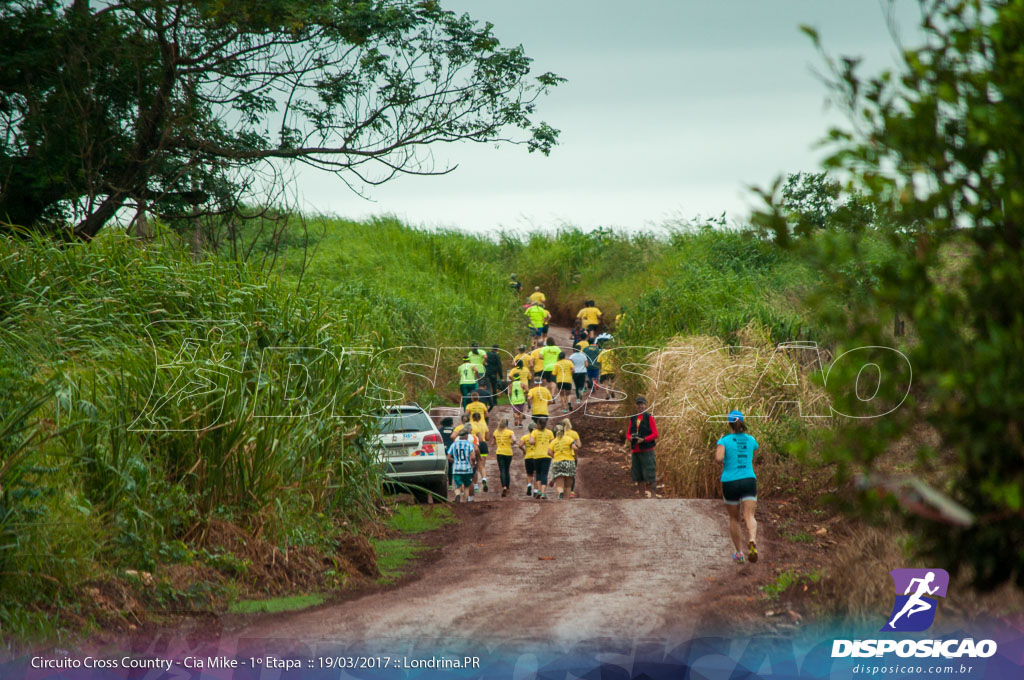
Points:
188	105
939	147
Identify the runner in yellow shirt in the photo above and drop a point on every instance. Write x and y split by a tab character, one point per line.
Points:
589	316
608	364
562	373
537	296
476	406
541	439
563	465
528	458
537	361
519	372
502	438
524	356
539	397
479	427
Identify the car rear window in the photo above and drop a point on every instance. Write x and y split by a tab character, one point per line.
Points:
405	421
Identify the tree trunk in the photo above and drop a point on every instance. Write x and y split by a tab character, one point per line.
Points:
141	223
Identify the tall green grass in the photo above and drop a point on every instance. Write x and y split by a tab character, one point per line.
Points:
679	280
101	470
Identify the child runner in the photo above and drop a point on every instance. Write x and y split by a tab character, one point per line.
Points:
539	397
478	426
579	371
541	440
461	457
735	451
563	465
517	397
503	438
562	373
528	458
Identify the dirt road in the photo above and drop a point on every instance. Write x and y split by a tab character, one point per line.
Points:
519	571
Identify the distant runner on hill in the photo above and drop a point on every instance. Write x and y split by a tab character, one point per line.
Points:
537	296
608	364
477	355
549	355
517	397
593	351
515	284
539	397
589	316
527	446
541	439
539	318
569	432
735	451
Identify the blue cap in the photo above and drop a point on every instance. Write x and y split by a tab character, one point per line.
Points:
735	416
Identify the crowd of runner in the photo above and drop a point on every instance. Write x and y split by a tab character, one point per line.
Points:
546	381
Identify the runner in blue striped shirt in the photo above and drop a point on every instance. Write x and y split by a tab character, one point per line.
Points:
461	455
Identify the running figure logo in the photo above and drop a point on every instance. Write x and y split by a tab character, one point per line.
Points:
914	610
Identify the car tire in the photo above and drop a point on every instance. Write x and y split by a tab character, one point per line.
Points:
439	489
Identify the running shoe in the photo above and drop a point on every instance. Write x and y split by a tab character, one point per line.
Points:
536	494
529	489
752	551
543	496
561	496
484	480
572	494
504	492
476	487
469	500
737	557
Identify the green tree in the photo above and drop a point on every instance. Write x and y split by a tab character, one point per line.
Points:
196	106
939	147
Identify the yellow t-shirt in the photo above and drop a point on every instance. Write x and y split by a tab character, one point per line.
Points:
572	434
479	429
503	442
520	374
539	397
536	315
537	296
607	361
542	442
563	371
538	361
589	316
476	406
528	448
562	448
524	357
583	344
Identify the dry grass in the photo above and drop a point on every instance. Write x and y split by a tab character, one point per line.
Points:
700	379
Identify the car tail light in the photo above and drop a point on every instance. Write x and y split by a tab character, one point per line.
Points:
430	443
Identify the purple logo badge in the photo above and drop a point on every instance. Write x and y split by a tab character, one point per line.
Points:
917	591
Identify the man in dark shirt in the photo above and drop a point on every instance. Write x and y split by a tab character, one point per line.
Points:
492	369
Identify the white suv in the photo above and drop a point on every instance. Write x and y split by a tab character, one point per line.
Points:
411	446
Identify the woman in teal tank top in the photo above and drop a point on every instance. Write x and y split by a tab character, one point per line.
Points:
735	451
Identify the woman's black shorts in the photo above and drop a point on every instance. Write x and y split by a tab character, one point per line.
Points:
739	490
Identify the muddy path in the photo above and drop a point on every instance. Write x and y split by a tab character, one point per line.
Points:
606	565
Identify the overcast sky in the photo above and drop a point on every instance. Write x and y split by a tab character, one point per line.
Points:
671	110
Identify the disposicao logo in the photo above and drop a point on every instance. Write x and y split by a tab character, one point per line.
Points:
914	610
917	593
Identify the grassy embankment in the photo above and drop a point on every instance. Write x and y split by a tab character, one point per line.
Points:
128	490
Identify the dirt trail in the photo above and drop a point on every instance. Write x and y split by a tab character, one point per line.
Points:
602	566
